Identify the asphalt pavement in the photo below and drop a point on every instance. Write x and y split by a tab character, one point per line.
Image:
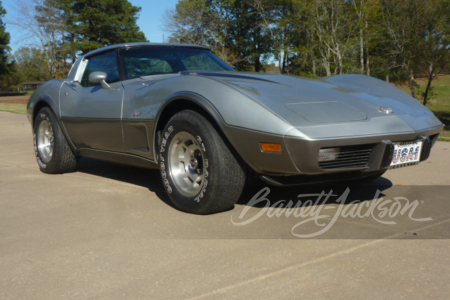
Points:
109	232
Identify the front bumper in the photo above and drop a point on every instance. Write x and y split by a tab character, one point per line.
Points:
300	156
304	154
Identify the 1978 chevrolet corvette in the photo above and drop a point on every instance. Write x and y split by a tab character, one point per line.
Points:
181	109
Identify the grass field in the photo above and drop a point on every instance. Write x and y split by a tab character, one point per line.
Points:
440	100
13	107
15	94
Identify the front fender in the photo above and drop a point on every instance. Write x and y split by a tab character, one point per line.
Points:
194	98
244	141
45	95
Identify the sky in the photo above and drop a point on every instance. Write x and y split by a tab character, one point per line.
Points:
150	20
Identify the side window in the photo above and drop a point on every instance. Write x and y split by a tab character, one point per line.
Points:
201	62
137	67
105	63
140	62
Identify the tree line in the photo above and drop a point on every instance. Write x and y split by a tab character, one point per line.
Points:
394	40
56	32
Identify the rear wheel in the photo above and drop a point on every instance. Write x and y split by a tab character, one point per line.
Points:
52	151
199	172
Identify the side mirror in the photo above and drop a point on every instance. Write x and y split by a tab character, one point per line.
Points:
99	77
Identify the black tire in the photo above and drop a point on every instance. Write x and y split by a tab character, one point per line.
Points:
61	159
220	177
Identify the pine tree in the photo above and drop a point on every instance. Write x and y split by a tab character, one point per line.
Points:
4	45
92	24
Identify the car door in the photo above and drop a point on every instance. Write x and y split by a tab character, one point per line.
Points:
143	96
92	114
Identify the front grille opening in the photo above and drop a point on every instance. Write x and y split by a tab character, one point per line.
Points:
347	157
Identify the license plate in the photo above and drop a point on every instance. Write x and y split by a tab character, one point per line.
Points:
406	154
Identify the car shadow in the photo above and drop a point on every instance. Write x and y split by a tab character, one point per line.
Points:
150	179
146	178
358	192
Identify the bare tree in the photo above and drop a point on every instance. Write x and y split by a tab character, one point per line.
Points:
365	11
197	23
42	27
334	32
402	21
435	50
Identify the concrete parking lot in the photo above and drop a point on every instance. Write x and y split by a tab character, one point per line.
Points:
109	232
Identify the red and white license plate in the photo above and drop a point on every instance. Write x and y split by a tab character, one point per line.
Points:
406	154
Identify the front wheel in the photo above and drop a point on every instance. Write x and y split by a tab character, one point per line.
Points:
198	170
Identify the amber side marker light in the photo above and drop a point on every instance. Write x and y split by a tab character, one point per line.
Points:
269	147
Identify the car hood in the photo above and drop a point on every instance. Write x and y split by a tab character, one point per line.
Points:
346	98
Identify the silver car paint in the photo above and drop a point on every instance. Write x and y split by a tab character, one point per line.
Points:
92	115
268	105
409	115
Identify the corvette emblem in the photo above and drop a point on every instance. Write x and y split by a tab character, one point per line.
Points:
386	110
136	113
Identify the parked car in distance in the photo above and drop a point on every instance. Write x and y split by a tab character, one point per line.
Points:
182	110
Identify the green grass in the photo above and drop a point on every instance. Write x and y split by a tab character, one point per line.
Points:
439	102
445	136
11	94
15	94
14	108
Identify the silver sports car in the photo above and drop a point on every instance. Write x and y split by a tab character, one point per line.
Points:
206	127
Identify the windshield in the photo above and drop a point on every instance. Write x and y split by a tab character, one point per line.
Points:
144	61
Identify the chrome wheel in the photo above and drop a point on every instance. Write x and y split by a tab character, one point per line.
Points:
186	164
45	141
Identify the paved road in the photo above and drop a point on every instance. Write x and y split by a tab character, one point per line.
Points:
109	232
